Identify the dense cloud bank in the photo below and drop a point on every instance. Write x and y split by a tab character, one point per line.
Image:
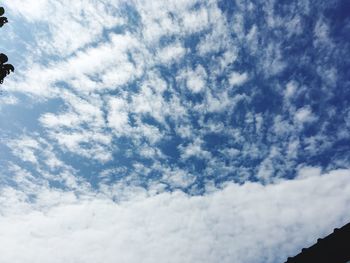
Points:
240	223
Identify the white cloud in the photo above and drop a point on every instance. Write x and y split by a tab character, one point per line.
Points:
304	115
77	71
67	119
218	39
8	100
45	165
219	102
29	9
267	166
85	143
291	89
194	149
148	151
237	79
171	53
25	148
196	20
308	171
184	131
169	18
177	177
174	227
228	57
64	20
321	33
194	79
118	118
150	100
80	128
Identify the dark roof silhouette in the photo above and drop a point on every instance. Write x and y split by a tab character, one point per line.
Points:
334	248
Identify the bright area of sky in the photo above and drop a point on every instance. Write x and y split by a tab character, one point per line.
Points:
173	131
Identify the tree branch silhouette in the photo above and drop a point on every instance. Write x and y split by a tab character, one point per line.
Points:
5	69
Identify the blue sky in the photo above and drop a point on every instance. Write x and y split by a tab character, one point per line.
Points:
173	131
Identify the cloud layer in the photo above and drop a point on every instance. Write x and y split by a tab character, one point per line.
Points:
240	223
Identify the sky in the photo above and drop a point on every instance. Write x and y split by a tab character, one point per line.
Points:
173	131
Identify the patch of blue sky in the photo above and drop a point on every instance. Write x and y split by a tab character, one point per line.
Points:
22	117
18	33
